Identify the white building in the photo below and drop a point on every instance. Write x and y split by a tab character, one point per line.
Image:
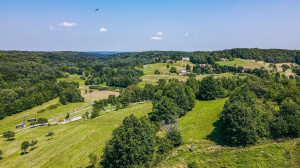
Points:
185	58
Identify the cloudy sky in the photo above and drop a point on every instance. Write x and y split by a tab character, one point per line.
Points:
139	25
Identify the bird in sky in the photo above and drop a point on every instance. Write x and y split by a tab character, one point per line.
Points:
96	9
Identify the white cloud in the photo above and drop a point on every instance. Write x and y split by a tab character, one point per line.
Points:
186	34
156	38
67	24
159	33
196	32
102	29
51	27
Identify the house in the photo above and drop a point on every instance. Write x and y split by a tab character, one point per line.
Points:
183	72
20	125
31	119
185	58
170	61
224	59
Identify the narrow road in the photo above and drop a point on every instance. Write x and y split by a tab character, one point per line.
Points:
74	111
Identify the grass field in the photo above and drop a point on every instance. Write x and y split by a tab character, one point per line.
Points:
71	143
247	63
72	78
9	123
201	135
96	94
150	77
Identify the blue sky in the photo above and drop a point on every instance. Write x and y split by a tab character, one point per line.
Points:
139	25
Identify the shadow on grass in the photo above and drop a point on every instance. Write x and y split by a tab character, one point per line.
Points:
216	135
33	148
1	158
24	153
10	139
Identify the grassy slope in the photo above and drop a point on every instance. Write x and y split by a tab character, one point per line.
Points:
71	143
9	123
200	129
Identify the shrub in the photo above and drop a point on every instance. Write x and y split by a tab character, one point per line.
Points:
9	134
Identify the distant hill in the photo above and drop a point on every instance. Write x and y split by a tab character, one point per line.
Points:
108	52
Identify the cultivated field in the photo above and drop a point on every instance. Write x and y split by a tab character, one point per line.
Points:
71	143
96	94
202	144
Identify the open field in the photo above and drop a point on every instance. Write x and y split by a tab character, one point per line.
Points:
9	123
72	78
247	63
202	144
71	143
150	77
96	94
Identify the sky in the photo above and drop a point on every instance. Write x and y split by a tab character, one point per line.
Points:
142	25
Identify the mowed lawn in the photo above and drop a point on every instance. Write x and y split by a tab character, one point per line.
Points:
9	123
201	136
71	143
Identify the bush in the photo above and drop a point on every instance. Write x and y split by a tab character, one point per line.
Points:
9	134
173	70
193	165
42	120
175	136
157	72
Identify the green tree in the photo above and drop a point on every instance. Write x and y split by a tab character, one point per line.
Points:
93	159
50	134
165	110
209	89
68	116
132	144
1	153
156	72
33	143
168	66
42	120
188	67
9	135
165	146
286	122
173	70
242	118
175	136
24	146
95	113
